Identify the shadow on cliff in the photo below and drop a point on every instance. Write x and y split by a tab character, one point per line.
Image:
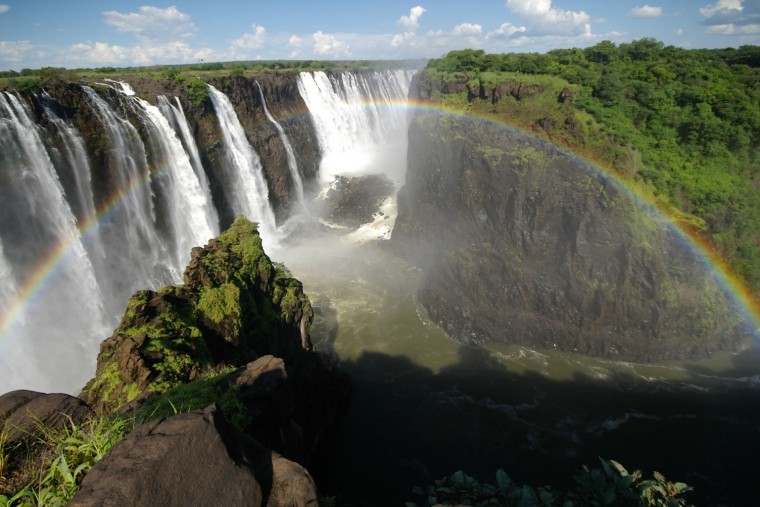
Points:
408	425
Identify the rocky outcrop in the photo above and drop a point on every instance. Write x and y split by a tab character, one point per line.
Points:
194	459
235	306
353	201
522	243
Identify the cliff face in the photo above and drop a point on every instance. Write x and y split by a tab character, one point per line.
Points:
522	244
283	101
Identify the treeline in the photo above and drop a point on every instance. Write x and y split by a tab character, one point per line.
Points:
692	115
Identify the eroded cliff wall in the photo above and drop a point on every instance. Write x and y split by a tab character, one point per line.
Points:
521	243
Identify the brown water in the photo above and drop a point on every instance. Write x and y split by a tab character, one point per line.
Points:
425	406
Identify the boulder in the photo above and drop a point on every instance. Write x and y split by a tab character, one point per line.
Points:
353	201
195	458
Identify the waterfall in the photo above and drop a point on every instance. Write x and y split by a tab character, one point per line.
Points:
54	349
247	187
131	223
292	163
7	282
176	115
75	157
190	216
359	123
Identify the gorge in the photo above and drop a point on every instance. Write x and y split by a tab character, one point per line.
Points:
572	304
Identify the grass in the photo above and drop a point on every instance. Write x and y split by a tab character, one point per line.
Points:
57	460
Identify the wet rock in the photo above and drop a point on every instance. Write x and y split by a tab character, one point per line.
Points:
353	201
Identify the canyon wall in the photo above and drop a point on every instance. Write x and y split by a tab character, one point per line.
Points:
521	243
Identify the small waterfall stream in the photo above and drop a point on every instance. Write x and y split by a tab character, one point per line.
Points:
292	163
247	186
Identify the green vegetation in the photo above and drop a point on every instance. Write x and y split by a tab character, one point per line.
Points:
197	91
59	460
32	80
682	125
609	485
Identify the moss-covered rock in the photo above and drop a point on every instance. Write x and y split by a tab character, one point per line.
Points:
235	306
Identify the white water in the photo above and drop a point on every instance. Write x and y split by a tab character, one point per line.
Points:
292	163
7	282
361	122
76	157
55	348
176	115
147	261
191	216
247	187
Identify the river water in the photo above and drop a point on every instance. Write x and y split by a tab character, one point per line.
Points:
425	406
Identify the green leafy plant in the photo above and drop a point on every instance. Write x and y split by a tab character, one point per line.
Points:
63	456
610	485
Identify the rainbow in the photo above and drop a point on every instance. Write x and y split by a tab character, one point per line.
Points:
53	260
745	300
741	295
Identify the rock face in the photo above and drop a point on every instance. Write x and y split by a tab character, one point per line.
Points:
284	102
235	306
194	459
353	201
524	244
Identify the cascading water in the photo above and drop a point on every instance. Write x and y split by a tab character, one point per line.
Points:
146	263
247	188
190	215
360	121
56	347
7	282
76	159
292	163
176	116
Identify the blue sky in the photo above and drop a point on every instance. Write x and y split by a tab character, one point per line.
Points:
90	33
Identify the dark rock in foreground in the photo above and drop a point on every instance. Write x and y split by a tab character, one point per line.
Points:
524	244
194	459
25	417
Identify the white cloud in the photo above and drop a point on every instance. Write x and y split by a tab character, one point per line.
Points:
645	11
253	40
295	41
467	29
153	23
411	22
731	29
328	45
732	17
4	8
98	53
543	19
15	51
101	53
506	30
720	6
678	31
